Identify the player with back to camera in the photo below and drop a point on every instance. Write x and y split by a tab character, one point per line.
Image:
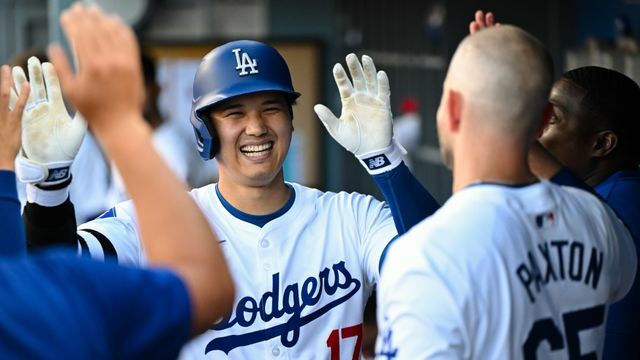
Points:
510	267
56	305
593	133
304	261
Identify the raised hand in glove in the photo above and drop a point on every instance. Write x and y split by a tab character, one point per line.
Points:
50	137
365	126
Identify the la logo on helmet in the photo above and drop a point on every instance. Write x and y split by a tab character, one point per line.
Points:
245	62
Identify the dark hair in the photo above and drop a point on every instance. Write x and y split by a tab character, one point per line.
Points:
613	100
148	68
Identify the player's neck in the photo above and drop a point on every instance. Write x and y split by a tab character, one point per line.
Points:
501	163
255	200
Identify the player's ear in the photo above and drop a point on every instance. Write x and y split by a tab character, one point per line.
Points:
605	142
546	116
454	108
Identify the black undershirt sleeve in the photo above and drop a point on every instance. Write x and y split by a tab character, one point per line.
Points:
50	226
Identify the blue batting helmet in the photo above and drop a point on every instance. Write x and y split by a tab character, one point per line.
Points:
234	69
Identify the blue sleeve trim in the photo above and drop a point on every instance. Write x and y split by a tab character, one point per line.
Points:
384	252
408	200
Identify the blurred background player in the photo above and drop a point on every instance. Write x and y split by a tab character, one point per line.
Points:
511	267
407	126
90	298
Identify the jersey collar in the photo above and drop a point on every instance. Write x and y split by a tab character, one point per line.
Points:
257	220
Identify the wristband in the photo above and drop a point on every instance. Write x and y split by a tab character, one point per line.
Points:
383	160
32	172
46	197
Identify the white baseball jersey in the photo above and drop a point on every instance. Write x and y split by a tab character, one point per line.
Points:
505	273
302	280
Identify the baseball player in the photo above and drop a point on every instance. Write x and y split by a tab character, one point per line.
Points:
592	132
304	261
510	267
56	305
408	126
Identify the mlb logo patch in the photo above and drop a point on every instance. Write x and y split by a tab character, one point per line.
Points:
544	220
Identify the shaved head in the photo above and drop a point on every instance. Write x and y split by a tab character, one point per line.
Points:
504	76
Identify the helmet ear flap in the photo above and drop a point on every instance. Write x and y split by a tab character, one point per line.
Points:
207	140
215	140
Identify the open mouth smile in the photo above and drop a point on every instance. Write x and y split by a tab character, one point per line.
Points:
254	151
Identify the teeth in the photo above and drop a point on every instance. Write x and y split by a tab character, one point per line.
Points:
256	148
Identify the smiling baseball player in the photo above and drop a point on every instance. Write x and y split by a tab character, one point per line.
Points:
304	261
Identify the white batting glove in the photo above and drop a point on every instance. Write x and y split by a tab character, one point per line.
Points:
365	126
50	138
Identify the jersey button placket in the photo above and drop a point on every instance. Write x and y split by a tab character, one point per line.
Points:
264	246
275	351
268	263
267	256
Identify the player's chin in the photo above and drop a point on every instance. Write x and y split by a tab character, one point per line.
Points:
262	168
262	178
269	164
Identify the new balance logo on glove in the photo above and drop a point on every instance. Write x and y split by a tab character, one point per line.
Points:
58	174
376	162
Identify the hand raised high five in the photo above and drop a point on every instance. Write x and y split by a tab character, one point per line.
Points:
365	124
50	137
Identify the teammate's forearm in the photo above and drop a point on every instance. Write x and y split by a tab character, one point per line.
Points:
184	241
